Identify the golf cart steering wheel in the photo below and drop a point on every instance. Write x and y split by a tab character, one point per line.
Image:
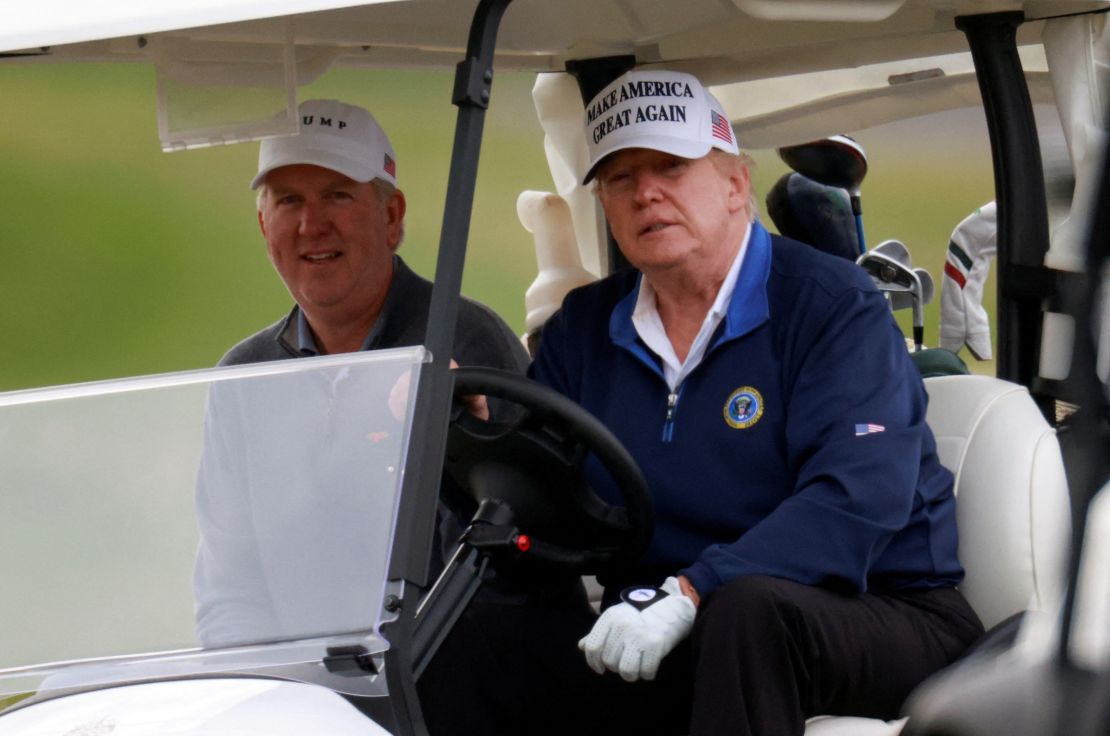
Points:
531	468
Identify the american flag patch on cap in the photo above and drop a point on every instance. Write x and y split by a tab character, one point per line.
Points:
862	429
721	127
390	165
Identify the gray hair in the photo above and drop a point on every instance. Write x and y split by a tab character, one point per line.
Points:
386	190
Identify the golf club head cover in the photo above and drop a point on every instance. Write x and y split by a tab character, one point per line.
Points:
814	214
963	319
632	637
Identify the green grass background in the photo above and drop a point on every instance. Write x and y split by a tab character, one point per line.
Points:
117	259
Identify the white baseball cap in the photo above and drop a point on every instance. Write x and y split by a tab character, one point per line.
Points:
337	136
662	110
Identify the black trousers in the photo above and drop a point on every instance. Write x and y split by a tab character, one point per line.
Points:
764	655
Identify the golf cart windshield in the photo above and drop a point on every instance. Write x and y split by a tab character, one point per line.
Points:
228	519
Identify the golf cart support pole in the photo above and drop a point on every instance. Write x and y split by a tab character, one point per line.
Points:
416	517
1019	192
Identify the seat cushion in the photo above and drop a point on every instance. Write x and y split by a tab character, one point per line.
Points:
1011	506
852	726
1012	502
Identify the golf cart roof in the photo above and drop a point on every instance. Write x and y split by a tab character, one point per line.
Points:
792	71
746	39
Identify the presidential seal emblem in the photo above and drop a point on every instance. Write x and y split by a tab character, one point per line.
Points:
743	408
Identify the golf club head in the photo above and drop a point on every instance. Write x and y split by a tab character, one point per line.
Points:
899	300
905	300
837	161
891	269
890	275
928	288
895	249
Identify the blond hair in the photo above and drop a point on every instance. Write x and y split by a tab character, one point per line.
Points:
728	164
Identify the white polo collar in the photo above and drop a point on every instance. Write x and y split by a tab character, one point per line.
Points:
649	325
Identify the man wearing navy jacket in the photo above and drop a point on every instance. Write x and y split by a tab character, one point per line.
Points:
804	557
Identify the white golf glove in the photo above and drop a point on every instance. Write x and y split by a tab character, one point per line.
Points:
632	637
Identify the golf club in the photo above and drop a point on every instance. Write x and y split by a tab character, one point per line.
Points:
890	267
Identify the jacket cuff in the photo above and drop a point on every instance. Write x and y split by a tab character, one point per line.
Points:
702	577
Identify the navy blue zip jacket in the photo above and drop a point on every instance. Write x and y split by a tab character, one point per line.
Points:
797	449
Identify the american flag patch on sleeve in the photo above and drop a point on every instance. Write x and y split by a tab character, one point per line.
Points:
862	429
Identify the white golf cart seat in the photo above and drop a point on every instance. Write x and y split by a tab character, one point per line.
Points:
1012	507
1012	495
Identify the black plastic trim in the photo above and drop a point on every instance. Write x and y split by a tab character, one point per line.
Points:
416	517
1019	188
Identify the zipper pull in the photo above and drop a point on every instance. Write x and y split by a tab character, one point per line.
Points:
672	399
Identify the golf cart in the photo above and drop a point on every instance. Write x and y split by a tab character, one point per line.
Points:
103	629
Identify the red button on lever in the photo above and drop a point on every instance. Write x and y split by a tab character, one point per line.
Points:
523	542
